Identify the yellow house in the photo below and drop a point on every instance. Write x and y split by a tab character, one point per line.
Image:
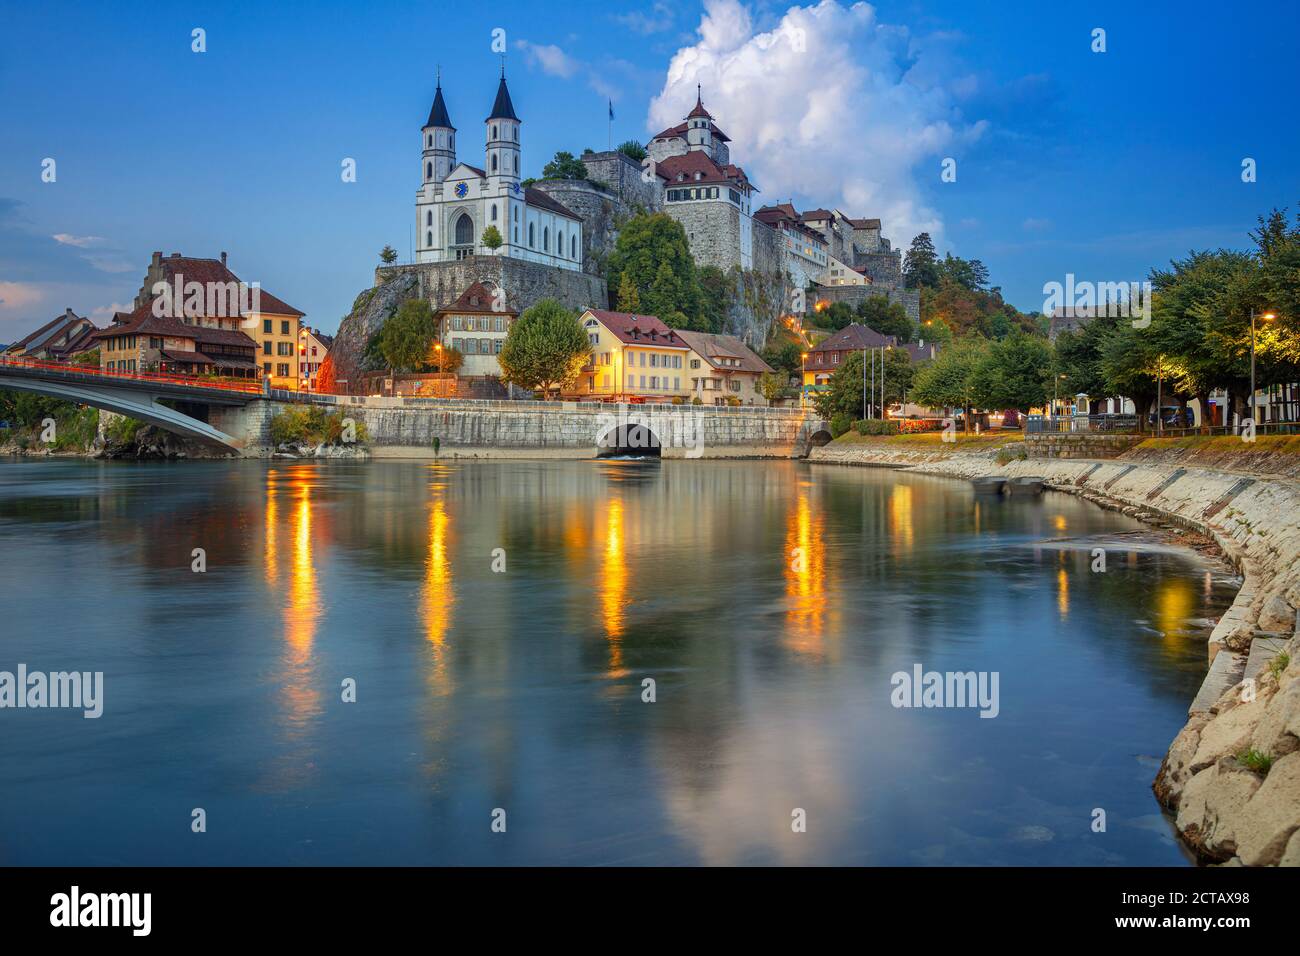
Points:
635	358
723	370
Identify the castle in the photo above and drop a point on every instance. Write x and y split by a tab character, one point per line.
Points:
551	238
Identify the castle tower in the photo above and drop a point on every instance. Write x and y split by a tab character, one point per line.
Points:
439	140
699	126
502	127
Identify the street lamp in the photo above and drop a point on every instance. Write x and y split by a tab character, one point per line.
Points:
437	347
1266	317
803	370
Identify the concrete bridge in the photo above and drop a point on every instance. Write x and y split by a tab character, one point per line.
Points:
238	418
194	409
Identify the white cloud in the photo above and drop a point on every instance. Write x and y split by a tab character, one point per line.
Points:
657	19
81	242
1036	225
106	312
18	295
831	107
111	262
549	58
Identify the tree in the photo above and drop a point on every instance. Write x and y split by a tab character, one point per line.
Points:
716	297
888	318
652	250
632	148
785	357
564	166
388	255
848	388
771	386
836	316
921	264
492	238
447	359
405	339
1013	373
629	300
546	348
947	381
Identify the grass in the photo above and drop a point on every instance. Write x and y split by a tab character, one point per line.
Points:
933	441
1255	760
1263	444
1278	664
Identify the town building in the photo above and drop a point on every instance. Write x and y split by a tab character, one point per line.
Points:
635	358
822	361
458	203
476	325
723	370
806	253
140	341
313	346
61	339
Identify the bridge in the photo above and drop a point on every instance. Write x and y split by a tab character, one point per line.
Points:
139	395
237	416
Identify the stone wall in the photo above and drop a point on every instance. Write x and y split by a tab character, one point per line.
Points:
442	283
1068	445
712	229
601	214
853	294
622	175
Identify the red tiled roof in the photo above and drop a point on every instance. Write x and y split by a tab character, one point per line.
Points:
815	215
191	358
696	161
865	223
215	271
143	322
854	336
639	329
725	346
478	298
679	132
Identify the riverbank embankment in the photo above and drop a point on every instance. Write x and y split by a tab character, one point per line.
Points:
1231	777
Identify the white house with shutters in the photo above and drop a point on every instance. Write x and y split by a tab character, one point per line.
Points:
457	202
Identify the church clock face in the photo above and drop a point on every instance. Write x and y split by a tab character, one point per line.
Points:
462	190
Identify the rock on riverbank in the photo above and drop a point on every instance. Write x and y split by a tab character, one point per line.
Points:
1232	775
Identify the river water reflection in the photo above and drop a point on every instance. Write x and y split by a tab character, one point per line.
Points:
769	601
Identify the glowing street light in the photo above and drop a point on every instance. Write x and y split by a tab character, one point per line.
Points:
1266	317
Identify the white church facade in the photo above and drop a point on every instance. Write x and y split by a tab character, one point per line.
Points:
458	203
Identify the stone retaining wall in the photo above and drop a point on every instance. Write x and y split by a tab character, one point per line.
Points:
1229	808
1069	445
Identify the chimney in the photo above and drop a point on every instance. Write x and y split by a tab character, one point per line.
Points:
223	257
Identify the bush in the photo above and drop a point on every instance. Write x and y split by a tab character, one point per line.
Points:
840	423
876	426
311	425
697	400
1005	455
123	430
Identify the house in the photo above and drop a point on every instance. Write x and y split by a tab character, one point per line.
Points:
635	358
61	339
476	325
313	346
722	368
140	341
820	362
207	294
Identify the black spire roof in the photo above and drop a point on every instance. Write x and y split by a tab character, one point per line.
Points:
503	108
438	114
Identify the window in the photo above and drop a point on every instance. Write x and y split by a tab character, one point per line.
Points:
695	363
654	381
494	130
266	367
573	247
494	162
531	237
516	214
428	218
155	343
428	239
500	323
642	354
643	381
428	170
494	212
546	239
266	348
282	369
631	381
593	338
496	345
266	326
677	383
284	328
654	360
283	348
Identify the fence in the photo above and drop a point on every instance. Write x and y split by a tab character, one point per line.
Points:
1070	424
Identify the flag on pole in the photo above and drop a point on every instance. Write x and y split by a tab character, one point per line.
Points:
611	109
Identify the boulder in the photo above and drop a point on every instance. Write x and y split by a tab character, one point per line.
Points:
1291	855
1226	735
1175	770
1276	616
1278	731
1272	816
1211	806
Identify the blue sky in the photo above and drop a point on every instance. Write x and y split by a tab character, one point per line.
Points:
1102	165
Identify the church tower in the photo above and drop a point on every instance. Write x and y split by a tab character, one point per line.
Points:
439	138
502	152
699	126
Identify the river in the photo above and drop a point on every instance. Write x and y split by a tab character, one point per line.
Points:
498	620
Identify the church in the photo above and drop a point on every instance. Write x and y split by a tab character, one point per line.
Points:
458	203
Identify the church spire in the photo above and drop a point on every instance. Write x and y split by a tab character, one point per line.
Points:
438	112
503	108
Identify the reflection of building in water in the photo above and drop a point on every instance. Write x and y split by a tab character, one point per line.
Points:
438	597
805	577
900	518
613	583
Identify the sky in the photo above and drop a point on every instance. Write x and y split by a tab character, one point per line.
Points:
1067	161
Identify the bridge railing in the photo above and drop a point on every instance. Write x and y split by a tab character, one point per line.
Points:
68	370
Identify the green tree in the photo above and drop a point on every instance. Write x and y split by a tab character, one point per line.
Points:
921	264
407	337
564	166
771	385
888	318
629	300
652	250
848	388
948	380
836	316
717	296
388	255
1014	373
632	148
786	357
546	348
492	238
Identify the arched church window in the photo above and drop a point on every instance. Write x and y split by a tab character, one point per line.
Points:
464	230
516	165
494	131
430	139
428	170
573	247
516	214
494	212
428	218
546	239
494	162
532	236
428	238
